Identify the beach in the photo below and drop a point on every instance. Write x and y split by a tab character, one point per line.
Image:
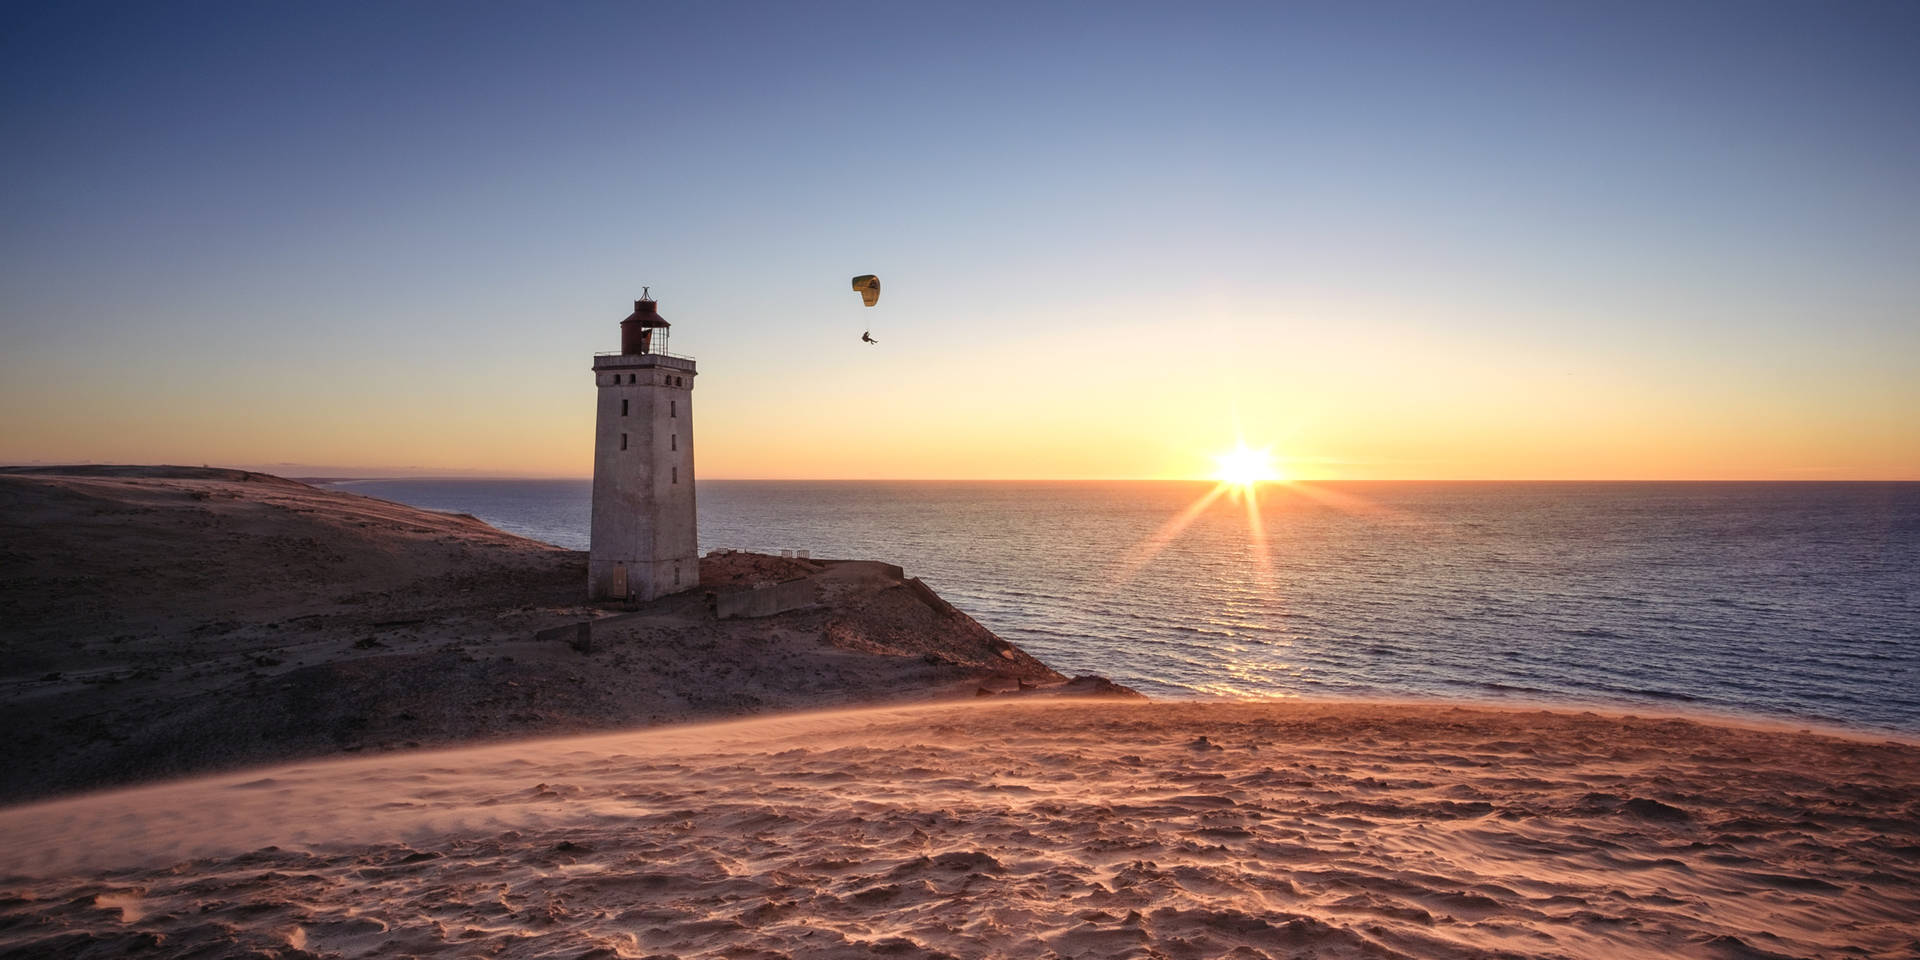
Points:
1061	828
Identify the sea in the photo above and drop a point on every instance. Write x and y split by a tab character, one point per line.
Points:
1797	601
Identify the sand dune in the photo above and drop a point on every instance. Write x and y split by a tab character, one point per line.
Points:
1069	829
156	621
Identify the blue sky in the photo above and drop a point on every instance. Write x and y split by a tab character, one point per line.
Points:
331	210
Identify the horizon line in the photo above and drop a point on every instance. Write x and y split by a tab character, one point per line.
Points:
345	474
1267	483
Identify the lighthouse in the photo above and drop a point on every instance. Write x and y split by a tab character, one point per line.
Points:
645	541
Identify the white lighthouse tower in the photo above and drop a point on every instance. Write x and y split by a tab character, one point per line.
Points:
645	541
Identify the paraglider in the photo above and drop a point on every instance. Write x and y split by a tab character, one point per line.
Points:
868	287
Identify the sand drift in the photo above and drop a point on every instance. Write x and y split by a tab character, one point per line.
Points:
1084	829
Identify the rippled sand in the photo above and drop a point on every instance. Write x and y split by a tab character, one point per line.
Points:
1015	829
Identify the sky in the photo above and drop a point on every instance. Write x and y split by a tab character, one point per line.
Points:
1469	240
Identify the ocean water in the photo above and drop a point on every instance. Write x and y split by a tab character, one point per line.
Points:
1794	600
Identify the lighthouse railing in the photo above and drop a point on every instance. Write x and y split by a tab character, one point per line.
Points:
672	360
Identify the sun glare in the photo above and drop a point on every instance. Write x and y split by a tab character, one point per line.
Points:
1245	467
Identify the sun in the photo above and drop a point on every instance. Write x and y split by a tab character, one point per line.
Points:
1246	467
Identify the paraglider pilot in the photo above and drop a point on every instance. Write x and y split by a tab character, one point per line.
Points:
868	287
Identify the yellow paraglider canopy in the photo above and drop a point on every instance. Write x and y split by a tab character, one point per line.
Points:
868	286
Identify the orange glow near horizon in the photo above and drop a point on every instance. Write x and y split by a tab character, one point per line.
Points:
1356	400
1245	467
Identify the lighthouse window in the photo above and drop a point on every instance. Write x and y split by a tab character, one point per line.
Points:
630	378
673	442
676	474
676	574
623	408
676	381
623	441
673	408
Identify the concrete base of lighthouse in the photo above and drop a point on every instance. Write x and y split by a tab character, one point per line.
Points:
640	580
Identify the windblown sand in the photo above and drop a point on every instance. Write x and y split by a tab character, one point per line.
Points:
1077	829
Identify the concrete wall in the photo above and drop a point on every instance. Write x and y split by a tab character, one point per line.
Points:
765	601
644	518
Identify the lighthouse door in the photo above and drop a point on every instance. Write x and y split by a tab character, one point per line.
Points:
619	579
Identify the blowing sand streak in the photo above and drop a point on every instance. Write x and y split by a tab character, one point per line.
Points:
1069	829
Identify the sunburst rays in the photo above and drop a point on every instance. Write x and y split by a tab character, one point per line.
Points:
1252	479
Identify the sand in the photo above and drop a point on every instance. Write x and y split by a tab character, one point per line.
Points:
157	621
1071	829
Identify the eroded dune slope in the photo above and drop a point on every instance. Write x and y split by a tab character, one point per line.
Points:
156	621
